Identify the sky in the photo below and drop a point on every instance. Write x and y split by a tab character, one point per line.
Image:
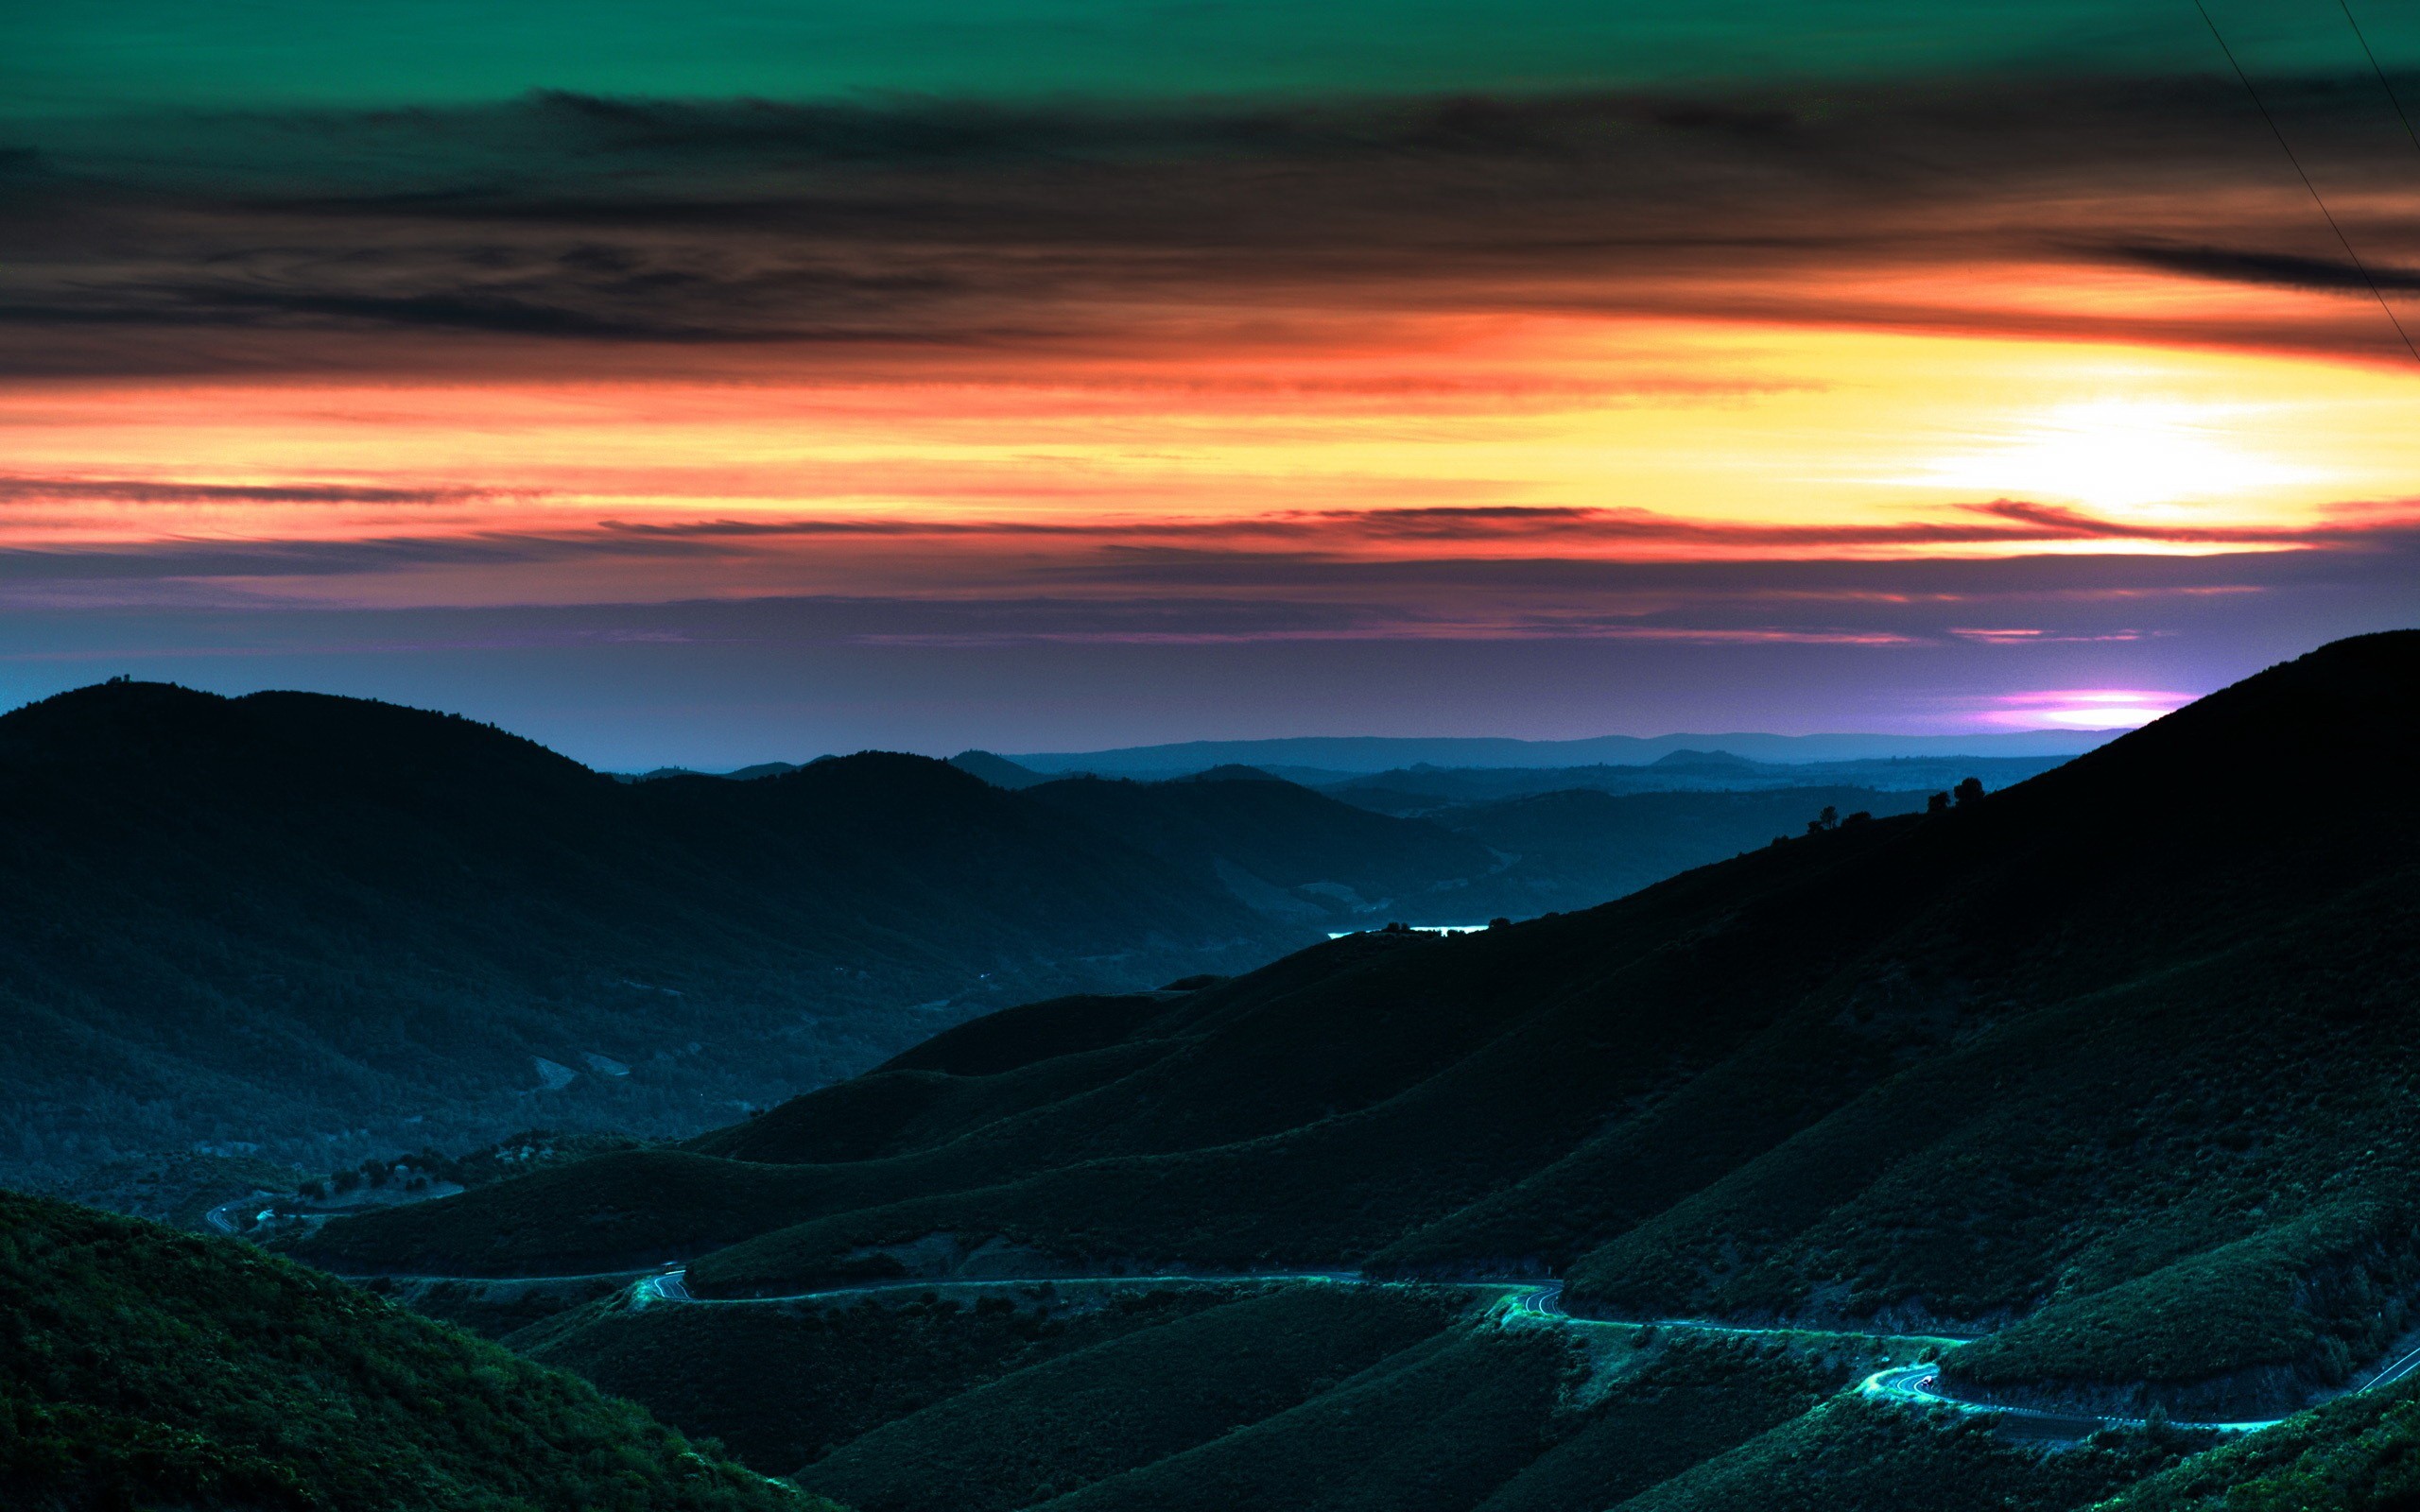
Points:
717	382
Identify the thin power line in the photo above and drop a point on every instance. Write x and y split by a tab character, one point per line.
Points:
2342	240
2392	98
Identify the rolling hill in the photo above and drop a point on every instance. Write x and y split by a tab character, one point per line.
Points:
1286	850
312	928
290	928
142	1368
1578	847
2112	1065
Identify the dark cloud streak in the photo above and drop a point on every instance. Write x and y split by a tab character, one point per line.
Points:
570	219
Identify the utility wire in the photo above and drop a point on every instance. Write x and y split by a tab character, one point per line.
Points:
2275	131
2392	98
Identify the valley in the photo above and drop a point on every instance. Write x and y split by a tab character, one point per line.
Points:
2047	1145
2093	1088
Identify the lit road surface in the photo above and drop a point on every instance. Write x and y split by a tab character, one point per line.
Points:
1524	1303
1921	1384
673	1286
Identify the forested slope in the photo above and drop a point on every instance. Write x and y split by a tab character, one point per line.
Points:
141	1367
2115	1053
285	920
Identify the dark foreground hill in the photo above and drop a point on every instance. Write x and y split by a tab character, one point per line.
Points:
2115	1065
317	928
141	1367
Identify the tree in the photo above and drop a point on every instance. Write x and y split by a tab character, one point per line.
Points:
1829	819
1938	804
1969	790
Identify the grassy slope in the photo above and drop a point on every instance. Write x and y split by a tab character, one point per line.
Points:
1128	1402
1433	1428
139	1367
784	1385
1684	1403
1852	1456
2355	1454
2118	1047
1282	1395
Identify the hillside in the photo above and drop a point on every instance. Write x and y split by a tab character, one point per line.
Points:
143	1368
2109	1062
1576	848
297	927
1275	1394
1286	850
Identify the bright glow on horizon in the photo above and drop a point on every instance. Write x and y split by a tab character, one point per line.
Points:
2086	708
1520	436
2126	453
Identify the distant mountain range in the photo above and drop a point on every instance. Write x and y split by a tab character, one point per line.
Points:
2110	1071
1349	755
1642	762
297	928
317	928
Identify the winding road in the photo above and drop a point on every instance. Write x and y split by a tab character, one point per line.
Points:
1536	1303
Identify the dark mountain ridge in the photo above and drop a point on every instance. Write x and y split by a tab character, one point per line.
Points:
285	918
1378	753
2116	1062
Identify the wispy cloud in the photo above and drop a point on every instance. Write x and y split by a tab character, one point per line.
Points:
573	219
148	490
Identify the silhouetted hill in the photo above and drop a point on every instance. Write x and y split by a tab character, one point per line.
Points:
1285	849
320	928
1578	847
997	770
140	1368
744	774
2113	1062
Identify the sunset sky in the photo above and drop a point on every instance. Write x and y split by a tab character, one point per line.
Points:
715	383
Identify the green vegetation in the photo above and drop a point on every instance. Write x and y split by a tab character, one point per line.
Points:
175	1188
143	1368
1682	1400
1128	1402
1309	1395
1432	1428
2355	1454
2112	1066
496	1309
1854	1456
784	1386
